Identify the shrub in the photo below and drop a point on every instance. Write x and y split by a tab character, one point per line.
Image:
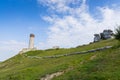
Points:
117	33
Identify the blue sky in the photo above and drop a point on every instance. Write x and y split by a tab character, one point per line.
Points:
64	23
18	17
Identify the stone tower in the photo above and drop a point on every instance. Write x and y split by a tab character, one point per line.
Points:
31	41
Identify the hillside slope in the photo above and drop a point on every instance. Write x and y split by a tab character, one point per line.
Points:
99	65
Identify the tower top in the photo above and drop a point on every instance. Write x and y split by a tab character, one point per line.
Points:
32	35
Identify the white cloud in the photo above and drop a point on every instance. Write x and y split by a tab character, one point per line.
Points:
62	6
10	48
77	25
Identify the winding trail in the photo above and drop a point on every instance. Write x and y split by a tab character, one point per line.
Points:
51	76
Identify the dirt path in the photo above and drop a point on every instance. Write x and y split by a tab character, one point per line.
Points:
51	76
93	57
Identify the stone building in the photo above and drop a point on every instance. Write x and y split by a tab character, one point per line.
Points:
31	45
106	34
96	37
55	47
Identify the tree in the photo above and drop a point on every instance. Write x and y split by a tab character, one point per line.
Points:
117	33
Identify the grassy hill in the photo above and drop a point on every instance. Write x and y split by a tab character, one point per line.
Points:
99	65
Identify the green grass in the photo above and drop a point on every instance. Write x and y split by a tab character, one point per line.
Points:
105	65
64	51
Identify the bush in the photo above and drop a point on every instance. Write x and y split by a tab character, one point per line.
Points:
117	33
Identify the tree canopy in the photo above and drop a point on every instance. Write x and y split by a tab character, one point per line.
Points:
117	33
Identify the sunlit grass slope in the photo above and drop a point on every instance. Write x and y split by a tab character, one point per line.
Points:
101	65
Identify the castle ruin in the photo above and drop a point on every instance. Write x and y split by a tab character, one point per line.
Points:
106	34
31	45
